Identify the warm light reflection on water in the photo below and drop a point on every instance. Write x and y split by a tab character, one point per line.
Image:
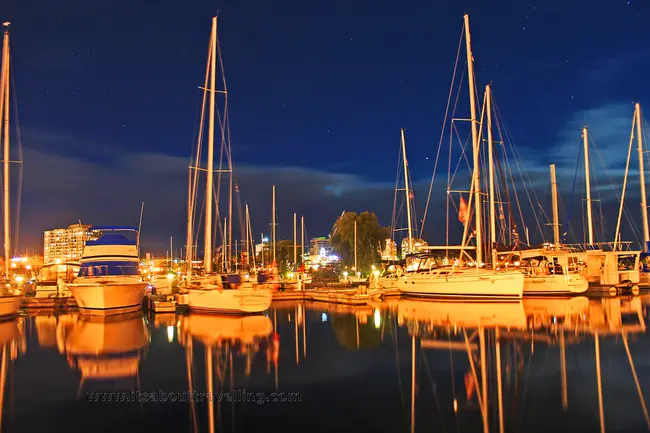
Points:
536	365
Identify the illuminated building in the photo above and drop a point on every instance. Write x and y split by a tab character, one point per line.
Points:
66	244
320	246
417	246
390	251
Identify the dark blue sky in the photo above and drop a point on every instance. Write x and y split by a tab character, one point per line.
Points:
107	93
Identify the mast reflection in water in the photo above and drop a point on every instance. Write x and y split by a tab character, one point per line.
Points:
537	365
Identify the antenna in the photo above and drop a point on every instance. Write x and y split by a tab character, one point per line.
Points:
140	227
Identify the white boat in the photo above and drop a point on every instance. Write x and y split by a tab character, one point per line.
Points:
428	276
10	303
50	288
109	280
463	283
11	297
549	271
214	292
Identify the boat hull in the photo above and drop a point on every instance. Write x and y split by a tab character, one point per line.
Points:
9	305
555	285
108	298
229	301
466	285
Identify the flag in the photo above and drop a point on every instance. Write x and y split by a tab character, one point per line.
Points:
462	210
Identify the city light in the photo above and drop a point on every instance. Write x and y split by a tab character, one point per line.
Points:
323	317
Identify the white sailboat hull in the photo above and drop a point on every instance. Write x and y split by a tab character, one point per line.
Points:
10	304
104	298
467	284
230	301
555	285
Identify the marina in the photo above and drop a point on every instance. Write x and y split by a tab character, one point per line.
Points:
279	277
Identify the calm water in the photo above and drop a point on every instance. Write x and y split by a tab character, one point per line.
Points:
333	368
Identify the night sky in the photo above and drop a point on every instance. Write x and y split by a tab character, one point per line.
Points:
107	96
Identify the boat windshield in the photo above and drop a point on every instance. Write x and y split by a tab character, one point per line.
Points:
422	263
103	269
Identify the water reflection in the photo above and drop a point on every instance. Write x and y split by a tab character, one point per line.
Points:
224	338
536	365
13	345
105	350
475	334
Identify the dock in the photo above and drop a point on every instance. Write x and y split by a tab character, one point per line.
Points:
161	303
339	297
345	295
289	295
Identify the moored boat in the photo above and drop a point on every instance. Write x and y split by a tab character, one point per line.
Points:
547	271
219	293
216	292
109	280
50	289
11	296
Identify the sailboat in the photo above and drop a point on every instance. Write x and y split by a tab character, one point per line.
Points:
10	298
216	292
429	276
297	278
109	280
550	270
608	265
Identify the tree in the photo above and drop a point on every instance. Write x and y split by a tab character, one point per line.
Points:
283	254
370	235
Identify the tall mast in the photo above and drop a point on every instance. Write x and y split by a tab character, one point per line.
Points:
207	255
295	243
229	244
355	247
248	244
302	238
224	246
188	242
475	143
644	206
556	218
5	101
493	221
273	230
590	223
408	200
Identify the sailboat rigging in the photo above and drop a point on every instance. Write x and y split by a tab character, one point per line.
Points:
217	291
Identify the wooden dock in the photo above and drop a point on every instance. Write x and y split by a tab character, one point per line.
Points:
162	303
289	295
345	297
